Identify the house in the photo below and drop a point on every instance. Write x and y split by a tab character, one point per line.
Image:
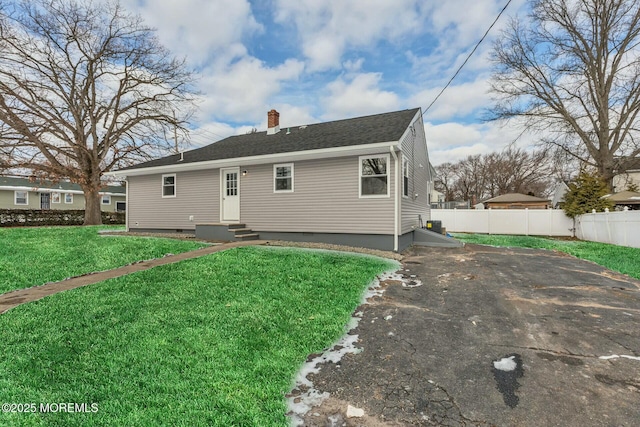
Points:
517	201
22	193
622	182
629	199
559	192
358	182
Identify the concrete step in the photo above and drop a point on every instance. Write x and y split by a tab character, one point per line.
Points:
236	226
241	231
251	236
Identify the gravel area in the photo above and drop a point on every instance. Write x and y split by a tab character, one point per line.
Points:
326	246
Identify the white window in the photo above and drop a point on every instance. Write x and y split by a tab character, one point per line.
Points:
374	176
55	197
106	199
283	178
21	197
169	185
68	198
405	176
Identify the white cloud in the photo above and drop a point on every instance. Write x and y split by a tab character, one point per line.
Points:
199	29
450	142
240	91
359	96
456	101
327	28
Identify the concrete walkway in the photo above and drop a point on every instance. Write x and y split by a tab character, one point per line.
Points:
22	296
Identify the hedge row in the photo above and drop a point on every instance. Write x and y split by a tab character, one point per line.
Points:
28	217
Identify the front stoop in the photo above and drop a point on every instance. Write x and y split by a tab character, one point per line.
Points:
242	233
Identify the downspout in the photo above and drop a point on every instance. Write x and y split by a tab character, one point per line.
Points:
126	211
396	203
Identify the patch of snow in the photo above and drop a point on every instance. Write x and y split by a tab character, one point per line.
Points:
388	317
615	356
506	364
412	283
300	403
353	412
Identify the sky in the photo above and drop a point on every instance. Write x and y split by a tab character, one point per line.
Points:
322	60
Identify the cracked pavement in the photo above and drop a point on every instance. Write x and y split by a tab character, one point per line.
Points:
428	351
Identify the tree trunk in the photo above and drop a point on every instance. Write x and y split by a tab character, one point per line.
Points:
92	213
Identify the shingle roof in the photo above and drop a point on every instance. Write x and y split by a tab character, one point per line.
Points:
384	127
514	198
62	185
625	197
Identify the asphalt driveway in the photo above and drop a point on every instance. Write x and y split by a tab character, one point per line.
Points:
490	336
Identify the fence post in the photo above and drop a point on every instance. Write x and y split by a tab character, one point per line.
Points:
455	219
625	219
606	220
526	221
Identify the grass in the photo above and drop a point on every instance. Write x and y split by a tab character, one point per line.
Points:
618	258
33	256
213	341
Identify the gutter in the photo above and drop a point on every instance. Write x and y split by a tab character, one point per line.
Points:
323	153
396	202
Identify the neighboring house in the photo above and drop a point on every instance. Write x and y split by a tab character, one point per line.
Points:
517	201
629	199
22	193
559	191
632	176
359	182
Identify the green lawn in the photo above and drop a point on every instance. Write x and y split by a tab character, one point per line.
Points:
213	341
618	258
36	255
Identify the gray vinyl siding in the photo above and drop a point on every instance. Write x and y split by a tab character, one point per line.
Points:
414	148
197	194
325	199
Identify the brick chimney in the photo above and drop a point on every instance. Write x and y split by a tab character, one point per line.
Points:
273	120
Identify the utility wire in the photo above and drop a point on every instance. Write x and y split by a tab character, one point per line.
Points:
468	57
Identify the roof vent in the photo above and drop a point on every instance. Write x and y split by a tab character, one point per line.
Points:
288	131
303	127
181	156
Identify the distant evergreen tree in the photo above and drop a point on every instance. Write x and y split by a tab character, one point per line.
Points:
585	194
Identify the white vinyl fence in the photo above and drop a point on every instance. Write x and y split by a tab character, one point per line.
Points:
618	228
535	222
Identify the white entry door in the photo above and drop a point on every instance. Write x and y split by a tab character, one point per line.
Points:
230	190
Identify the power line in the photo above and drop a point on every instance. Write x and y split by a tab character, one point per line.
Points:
468	57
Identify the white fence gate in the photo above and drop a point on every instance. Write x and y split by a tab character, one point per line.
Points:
534	222
618	228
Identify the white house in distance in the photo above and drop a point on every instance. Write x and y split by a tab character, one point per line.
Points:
360	182
632	176
22	193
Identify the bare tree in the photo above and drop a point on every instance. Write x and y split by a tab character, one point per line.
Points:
572	72
512	170
515	170
85	87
